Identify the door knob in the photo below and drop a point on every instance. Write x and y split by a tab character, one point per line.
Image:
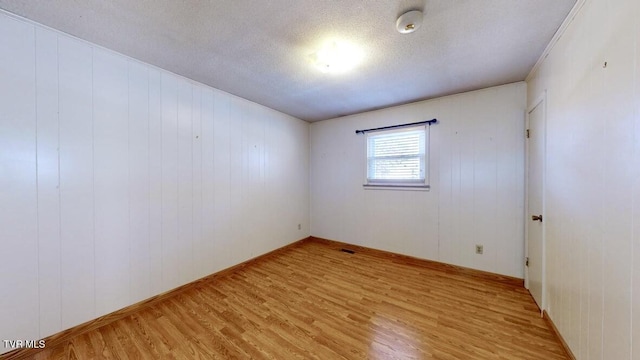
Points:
536	218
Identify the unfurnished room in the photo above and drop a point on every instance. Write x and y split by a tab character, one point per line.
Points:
320	179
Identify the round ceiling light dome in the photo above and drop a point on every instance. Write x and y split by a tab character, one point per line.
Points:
409	21
337	57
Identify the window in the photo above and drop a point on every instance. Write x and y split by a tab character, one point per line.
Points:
397	158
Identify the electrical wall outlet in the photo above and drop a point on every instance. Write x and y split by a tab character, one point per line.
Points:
479	249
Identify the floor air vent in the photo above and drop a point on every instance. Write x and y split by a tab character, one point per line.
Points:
348	251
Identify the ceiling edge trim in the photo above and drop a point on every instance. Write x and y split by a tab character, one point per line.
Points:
36	24
554	40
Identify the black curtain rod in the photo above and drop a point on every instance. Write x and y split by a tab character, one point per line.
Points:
432	121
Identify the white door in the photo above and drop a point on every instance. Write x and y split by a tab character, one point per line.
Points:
535	217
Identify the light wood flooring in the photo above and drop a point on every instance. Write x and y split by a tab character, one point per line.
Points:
313	301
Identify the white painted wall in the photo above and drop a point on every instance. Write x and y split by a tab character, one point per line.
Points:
119	181
593	180
477	182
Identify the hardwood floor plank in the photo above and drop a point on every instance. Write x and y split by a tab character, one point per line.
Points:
313	301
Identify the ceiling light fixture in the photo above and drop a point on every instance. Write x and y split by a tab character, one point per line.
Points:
337	57
409	22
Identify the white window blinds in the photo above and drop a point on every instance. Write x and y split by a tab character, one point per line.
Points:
397	156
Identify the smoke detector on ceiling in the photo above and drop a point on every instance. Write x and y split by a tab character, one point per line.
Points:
409	21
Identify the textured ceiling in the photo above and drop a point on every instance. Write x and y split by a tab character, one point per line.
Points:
260	50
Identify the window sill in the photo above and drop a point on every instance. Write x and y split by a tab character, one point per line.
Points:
397	187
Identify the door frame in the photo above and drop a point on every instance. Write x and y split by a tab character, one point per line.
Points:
541	100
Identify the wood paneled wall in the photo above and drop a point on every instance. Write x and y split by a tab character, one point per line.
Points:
119	181
476	172
592	79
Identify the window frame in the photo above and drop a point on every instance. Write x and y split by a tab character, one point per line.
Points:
398	184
